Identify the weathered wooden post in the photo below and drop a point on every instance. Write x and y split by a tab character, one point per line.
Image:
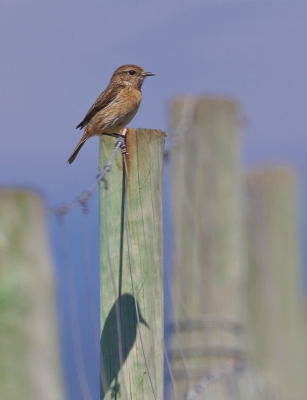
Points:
29	353
276	326
207	264
124	373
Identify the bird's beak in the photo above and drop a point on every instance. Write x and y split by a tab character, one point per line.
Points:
148	74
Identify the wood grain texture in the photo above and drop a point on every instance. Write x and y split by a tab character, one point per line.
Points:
276	322
207	213
29	353
144	202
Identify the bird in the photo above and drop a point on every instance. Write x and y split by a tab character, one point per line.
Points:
110	354
115	107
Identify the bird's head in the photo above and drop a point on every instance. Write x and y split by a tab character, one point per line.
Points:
130	75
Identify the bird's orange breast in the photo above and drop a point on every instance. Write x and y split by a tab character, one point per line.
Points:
118	113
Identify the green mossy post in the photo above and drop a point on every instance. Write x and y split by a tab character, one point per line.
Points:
144	205
207	265
29	353
276	324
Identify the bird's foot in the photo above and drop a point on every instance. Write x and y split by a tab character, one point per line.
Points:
115	135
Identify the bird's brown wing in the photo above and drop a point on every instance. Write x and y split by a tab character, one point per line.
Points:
104	99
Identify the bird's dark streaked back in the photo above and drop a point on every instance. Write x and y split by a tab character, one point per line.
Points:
115	107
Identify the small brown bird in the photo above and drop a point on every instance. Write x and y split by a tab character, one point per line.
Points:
116	105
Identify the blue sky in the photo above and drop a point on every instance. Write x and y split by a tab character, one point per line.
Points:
56	57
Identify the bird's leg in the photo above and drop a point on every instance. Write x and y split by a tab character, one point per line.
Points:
116	135
119	139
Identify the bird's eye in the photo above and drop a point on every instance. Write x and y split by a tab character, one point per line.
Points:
131	72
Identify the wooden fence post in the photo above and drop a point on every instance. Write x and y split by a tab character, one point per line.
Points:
277	329
29	353
207	263
120	340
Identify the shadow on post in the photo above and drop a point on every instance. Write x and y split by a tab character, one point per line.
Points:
110	345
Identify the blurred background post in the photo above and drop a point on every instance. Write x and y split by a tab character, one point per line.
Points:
29	353
207	276
276	324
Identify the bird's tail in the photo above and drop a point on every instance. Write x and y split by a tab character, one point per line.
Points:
77	149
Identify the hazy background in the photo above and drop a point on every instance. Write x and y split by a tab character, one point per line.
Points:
57	56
